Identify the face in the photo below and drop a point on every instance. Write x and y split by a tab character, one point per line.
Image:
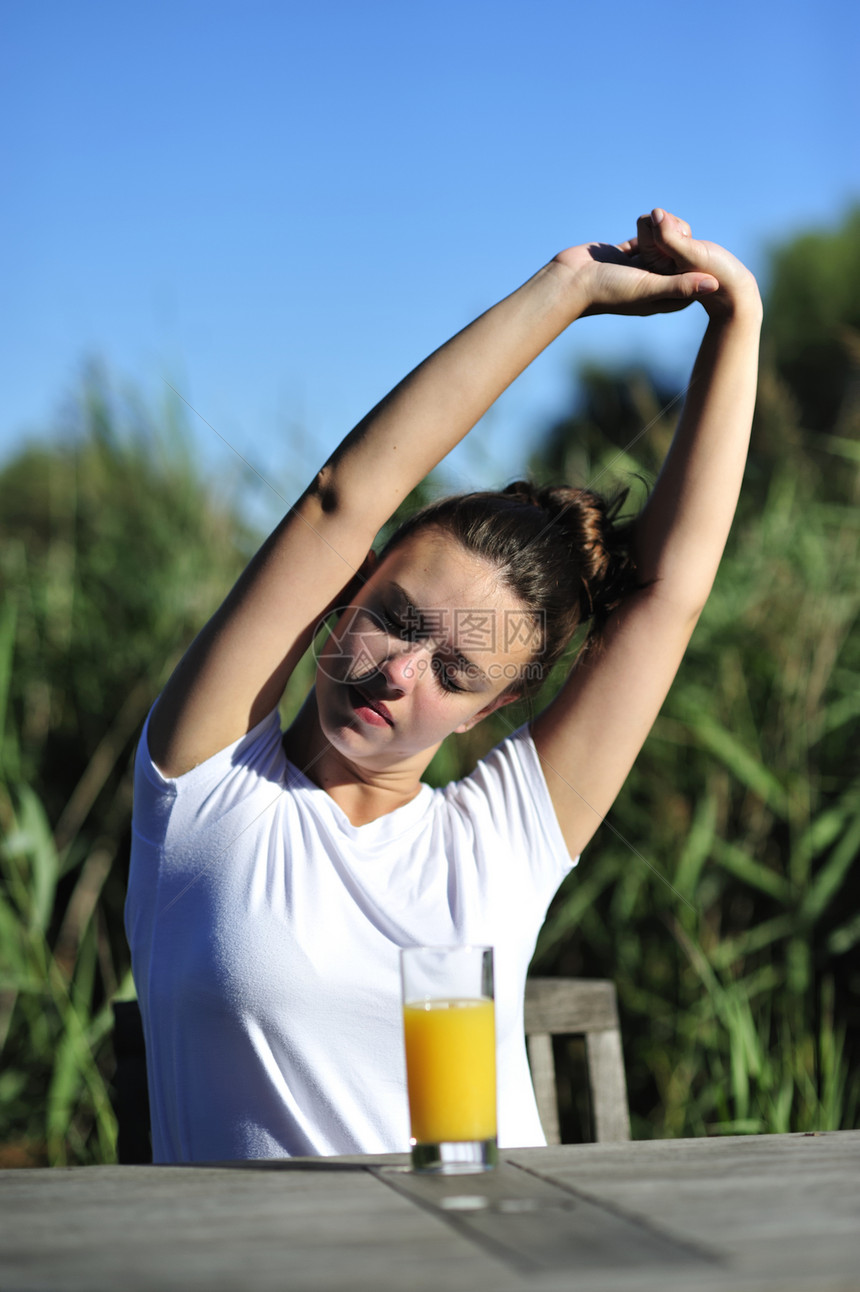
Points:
432	643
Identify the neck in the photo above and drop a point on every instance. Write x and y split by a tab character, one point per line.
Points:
363	793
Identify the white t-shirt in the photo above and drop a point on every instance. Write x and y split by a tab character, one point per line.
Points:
265	930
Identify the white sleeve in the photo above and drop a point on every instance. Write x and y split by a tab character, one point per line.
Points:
508	801
207	806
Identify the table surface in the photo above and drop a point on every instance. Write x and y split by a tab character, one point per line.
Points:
765	1213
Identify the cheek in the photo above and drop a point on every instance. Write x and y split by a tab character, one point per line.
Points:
353	645
446	713
330	659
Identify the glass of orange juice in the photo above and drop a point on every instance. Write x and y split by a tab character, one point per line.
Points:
449	1028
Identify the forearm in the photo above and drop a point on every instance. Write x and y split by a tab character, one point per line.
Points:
681	533
435	406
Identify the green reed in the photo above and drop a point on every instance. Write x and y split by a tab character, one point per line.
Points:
725	899
113	552
733	937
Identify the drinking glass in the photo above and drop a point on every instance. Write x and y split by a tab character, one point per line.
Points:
450	1033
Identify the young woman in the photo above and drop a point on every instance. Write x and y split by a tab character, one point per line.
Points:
275	876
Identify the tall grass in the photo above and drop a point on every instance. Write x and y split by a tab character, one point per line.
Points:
722	896
113	552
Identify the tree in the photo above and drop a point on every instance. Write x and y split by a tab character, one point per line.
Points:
813	323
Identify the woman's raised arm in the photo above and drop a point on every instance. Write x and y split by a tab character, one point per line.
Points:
591	733
235	671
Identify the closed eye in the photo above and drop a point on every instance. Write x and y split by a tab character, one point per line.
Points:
397	626
445	676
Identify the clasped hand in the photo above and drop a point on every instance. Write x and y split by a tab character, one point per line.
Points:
663	268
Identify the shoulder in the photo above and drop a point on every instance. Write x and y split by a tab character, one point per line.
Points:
180	823
512	761
507	791
257	756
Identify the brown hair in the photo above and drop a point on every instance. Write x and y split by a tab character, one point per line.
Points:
558	549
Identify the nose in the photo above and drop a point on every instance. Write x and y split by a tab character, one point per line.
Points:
404	665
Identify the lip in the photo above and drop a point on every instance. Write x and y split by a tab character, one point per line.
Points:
362	701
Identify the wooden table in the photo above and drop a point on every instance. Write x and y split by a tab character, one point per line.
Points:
774	1212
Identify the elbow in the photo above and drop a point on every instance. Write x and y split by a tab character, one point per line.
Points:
329	503
324	491
683	601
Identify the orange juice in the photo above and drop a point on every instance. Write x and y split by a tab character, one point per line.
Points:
451	1069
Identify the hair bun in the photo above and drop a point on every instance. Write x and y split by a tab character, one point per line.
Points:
601	545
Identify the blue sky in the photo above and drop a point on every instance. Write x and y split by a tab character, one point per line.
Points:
281	208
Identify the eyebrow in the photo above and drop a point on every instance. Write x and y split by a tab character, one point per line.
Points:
461	662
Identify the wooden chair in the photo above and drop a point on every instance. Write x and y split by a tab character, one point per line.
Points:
578	1007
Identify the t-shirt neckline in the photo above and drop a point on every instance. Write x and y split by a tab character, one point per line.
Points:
393	822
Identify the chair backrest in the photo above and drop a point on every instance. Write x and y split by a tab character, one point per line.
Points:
578	1007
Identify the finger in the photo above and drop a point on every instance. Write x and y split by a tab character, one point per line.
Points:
630	247
658	216
678	287
673	236
658	259
645	233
